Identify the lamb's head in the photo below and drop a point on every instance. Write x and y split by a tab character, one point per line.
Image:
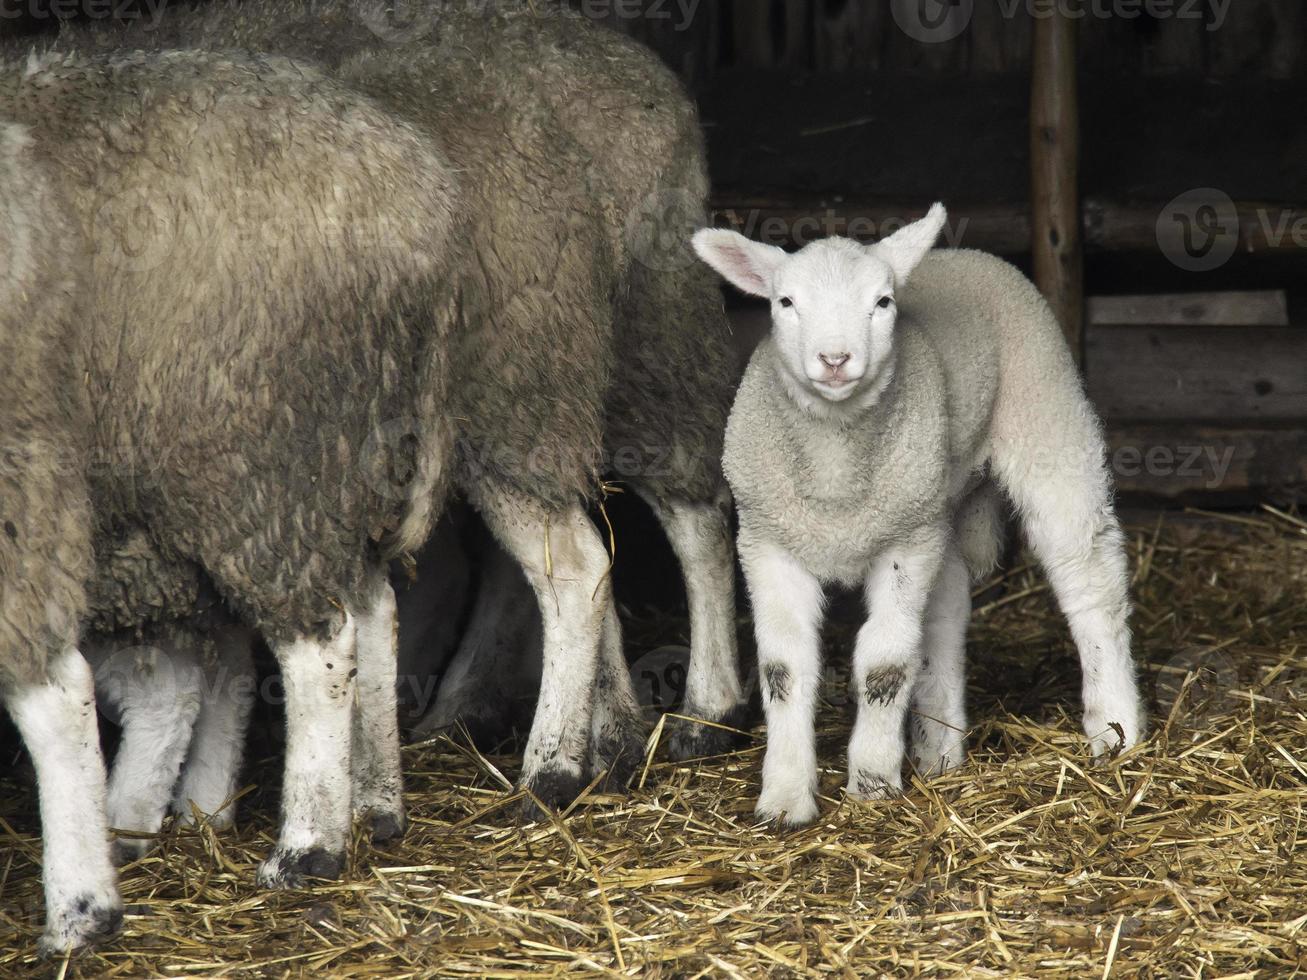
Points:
832	305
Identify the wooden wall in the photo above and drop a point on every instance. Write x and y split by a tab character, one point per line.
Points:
1256	38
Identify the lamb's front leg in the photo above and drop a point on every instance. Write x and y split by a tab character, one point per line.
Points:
887	659
787	607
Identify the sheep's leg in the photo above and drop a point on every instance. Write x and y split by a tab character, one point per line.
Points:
887	659
939	711
787	609
156	692
566	564
57	721
478	688
617	729
1066	508
318	677
376	770
700	535
211	773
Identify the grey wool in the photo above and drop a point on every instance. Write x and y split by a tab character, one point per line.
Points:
45	528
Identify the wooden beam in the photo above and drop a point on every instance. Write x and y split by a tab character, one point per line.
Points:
1209	465
1056	248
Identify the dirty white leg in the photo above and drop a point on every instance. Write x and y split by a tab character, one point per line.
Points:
939	711
155	692
700	535
617	733
319	680
787	609
887	658
211	773
567	565
378	780
498	656
58	725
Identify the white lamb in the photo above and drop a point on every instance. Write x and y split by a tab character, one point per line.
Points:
864	448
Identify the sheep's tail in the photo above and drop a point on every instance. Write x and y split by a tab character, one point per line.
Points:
980	525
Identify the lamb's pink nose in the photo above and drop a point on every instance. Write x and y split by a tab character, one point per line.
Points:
834	361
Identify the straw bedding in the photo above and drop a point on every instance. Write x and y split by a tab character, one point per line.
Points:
1181	858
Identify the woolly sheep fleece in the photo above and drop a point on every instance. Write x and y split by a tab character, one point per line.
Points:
582	168
242	426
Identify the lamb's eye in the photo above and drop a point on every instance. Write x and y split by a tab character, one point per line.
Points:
885	302
786	302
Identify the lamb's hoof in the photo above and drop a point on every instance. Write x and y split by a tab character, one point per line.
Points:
787	810
1109	738
387	825
695	740
866	787
125	850
554	789
87	920
935	761
285	869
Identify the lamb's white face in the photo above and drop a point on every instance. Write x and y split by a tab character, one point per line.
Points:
833	304
833	313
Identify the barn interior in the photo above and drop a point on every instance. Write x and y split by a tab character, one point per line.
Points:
1143	162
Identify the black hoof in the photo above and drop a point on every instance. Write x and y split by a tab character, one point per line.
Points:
554	789
385	827
694	740
288	869
618	751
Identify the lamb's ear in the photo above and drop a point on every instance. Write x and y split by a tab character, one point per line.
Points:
905	249
746	264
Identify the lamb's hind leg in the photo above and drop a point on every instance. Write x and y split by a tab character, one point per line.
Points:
700	535
1066	507
57	721
939	713
212	771
156	692
375	768
567	566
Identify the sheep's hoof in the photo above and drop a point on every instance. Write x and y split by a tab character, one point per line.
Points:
125	850
620	753
554	788
86	920
487	723
866	787
386	826
695	740
285	869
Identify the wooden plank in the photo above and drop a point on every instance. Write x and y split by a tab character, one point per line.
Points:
1206	464
1005	229
1055	175
1200	373
1265	308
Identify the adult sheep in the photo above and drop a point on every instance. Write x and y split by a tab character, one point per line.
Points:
601	335
230	374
